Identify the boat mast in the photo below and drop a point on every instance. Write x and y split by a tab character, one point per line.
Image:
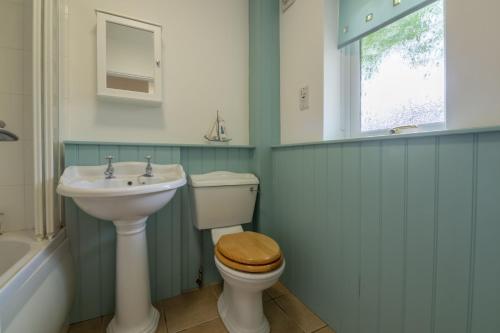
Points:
218	126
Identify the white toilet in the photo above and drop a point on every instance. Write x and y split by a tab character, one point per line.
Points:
248	262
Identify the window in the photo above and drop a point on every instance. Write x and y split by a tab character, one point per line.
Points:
401	74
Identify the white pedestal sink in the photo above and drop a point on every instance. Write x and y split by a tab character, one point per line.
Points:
127	200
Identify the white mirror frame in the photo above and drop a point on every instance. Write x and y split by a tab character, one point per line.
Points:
154	98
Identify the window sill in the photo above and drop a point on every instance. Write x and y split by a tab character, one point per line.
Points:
432	127
475	130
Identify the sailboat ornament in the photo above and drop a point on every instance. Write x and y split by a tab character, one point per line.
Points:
218	132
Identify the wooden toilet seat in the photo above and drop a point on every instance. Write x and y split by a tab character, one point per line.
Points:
249	252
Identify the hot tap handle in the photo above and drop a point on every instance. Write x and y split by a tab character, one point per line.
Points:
149	167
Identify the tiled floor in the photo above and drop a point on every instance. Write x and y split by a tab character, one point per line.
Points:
196	312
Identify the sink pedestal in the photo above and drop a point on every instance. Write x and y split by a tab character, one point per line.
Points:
134	312
127	199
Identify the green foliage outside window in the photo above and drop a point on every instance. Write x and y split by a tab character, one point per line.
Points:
418	36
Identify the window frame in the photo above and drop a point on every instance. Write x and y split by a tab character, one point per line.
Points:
351	104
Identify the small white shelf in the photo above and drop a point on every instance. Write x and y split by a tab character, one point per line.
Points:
130	76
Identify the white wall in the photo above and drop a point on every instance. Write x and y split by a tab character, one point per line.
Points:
473	63
16	158
308	46
333	128
473	68
205	50
301	49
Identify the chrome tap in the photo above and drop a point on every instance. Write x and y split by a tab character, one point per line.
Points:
149	167
110	171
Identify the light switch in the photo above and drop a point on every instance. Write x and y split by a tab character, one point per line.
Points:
304	98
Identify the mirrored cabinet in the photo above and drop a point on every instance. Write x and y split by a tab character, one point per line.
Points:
129	59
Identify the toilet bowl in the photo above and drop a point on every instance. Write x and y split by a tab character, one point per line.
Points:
248	262
240	304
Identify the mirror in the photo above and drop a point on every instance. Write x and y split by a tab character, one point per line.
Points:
128	58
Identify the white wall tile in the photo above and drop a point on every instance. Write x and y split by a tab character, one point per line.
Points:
12	205
28	162
27	72
11	163
11	112
11	24
16	158
29	207
28	25
19	1
11	71
27	117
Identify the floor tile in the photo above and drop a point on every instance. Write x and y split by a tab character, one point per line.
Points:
278	320
298	312
189	310
325	330
217	290
162	324
277	290
266	297
214	326
105	321
196	312
89	326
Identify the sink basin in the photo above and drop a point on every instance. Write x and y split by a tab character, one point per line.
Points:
127	200
128	196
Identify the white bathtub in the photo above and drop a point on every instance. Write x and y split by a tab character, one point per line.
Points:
36	283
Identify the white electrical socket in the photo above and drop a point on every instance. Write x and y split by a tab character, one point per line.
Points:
304	98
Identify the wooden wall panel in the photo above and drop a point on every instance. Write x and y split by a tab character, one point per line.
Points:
455	198
484	307
174	245
350	233
393	236
408	237
371	233
420	234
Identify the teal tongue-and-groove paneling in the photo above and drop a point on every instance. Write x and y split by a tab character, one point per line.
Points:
393	236
175	248
264	98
